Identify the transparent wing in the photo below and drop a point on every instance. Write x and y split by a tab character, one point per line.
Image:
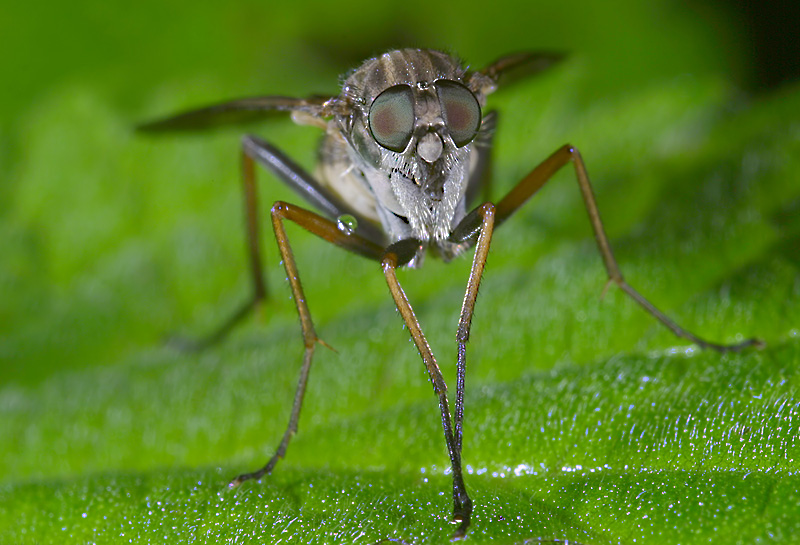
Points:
236	111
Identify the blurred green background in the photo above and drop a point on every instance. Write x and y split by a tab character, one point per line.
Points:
585	421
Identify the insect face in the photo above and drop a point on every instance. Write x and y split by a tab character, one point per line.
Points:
411	129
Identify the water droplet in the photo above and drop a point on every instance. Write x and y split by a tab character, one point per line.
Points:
347	224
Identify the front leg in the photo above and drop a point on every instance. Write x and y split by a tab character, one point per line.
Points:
329	231
477	225
396	255
529	185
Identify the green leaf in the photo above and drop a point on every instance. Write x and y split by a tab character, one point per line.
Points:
585	419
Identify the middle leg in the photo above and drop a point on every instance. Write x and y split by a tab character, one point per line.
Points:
256	151
534	181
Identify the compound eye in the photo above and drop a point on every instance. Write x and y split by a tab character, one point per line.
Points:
462	113
391	117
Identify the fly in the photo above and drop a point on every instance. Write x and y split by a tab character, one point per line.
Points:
405	152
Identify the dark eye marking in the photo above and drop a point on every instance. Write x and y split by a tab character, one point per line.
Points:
461	110
391	117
